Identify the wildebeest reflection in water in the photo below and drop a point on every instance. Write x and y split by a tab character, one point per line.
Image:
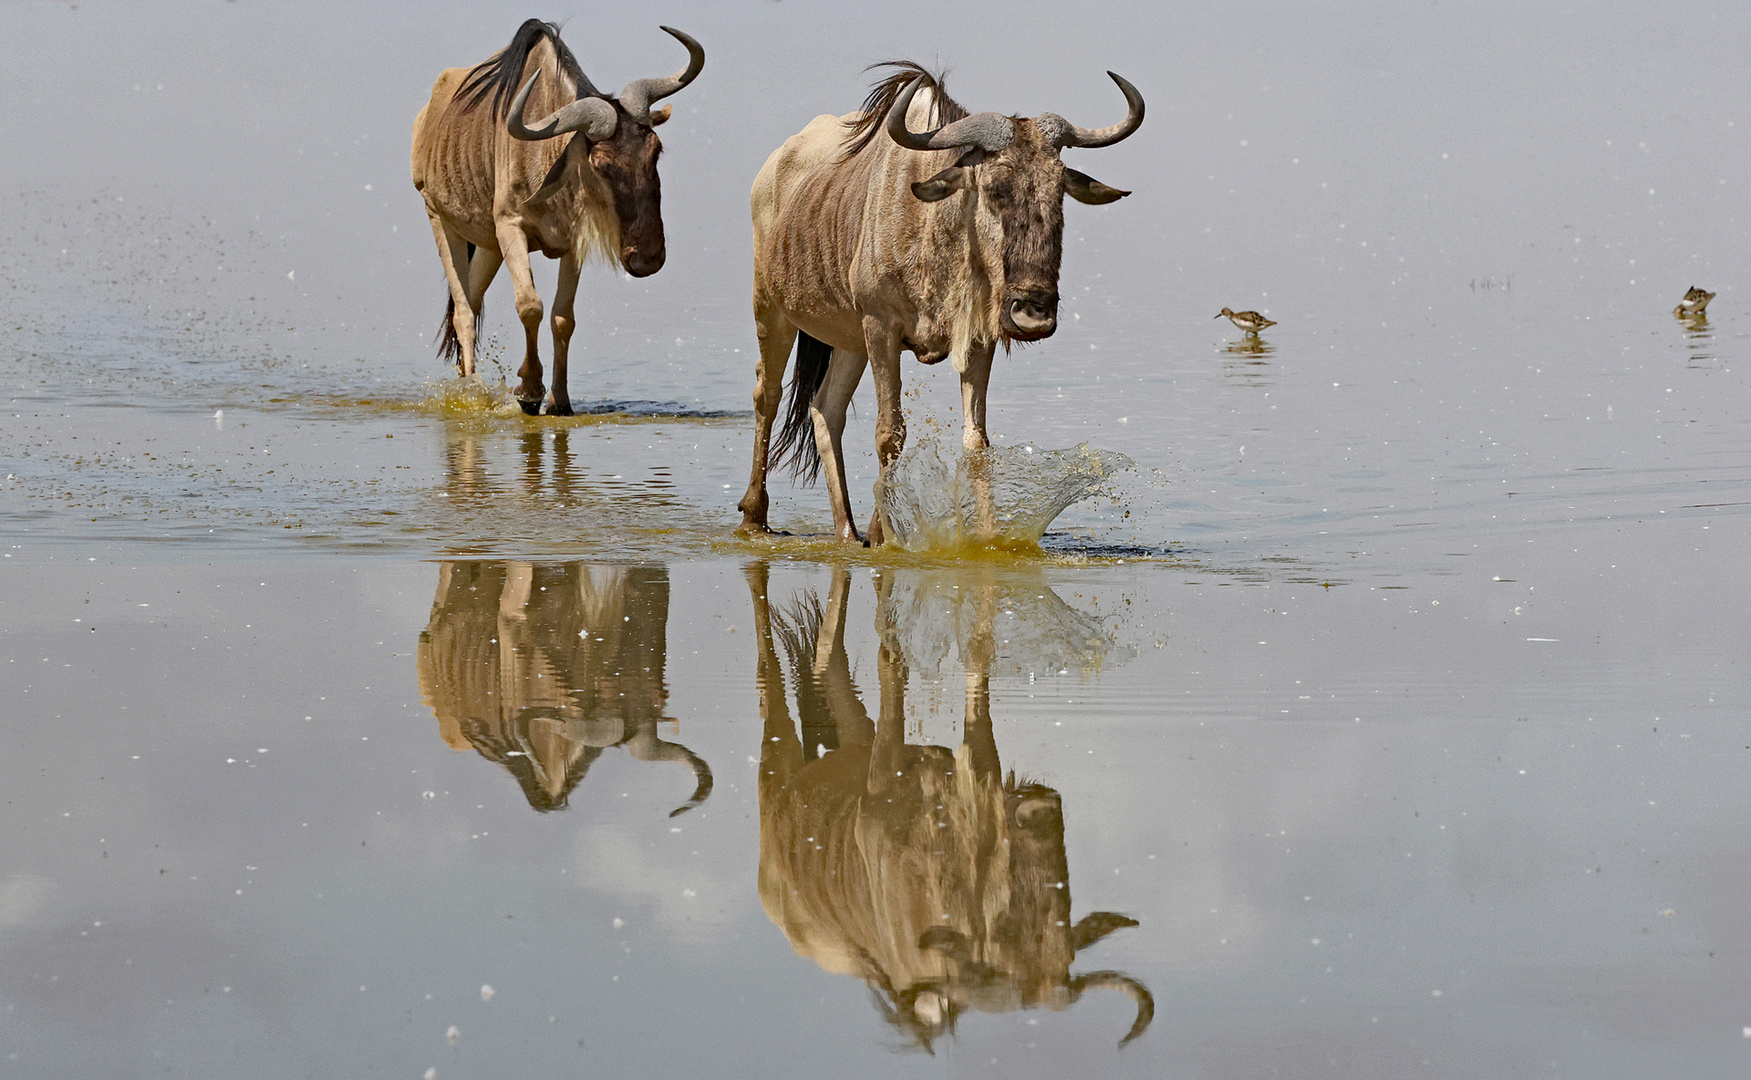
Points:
919	869
541	668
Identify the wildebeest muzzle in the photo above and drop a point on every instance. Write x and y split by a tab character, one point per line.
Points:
642	263
1030	316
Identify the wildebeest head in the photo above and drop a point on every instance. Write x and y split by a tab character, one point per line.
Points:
617	148
1024	960
1012	166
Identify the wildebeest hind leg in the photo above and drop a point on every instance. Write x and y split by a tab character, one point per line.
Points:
777	336
453	252
483	265
827	410
559	402
514	246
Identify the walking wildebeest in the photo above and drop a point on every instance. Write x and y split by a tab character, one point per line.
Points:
943	242
581	182
919	869
543	668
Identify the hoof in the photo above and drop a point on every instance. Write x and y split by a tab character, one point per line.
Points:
532	408
559	408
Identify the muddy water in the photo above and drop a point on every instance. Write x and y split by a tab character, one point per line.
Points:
1388	717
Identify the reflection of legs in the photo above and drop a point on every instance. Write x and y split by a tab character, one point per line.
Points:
827	410
532	440
514	246
974	441
781	753
777	336
888	751
559	401
465	472
851	722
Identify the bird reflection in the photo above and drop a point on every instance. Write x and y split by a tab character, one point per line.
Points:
543	667
1699	337
1248	360
922	870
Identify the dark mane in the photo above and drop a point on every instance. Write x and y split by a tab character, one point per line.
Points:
883	94
500	77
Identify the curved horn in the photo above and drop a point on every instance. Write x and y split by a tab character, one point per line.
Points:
990	132
1068	134
1132	989
590	115
637	97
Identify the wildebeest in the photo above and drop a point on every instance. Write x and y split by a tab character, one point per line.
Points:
542	668
581	182
942	242
921	870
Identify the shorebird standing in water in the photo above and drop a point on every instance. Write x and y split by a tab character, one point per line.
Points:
1250	321
1694	303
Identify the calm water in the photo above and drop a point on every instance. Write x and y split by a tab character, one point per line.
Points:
1389	718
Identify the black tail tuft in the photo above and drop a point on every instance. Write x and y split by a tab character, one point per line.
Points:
795	446
449	345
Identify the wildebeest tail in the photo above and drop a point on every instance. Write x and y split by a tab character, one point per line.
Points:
500	77
795	446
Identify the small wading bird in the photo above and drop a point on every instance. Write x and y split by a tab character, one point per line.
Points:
1250	321
1694	303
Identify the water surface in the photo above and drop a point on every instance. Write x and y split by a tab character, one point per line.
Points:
1389	717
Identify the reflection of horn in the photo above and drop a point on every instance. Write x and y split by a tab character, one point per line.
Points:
1133	989
647	747
1095	926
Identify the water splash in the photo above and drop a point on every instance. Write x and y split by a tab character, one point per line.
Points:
466	398
1000	497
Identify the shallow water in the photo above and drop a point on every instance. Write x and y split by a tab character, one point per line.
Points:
1390	717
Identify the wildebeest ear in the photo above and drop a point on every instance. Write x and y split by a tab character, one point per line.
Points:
1096	926
659	115
554	178
1086	189
942	185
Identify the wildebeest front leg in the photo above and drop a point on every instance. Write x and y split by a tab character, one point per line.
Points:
884	358
827	410
514	246
777	336
974	382
559	402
